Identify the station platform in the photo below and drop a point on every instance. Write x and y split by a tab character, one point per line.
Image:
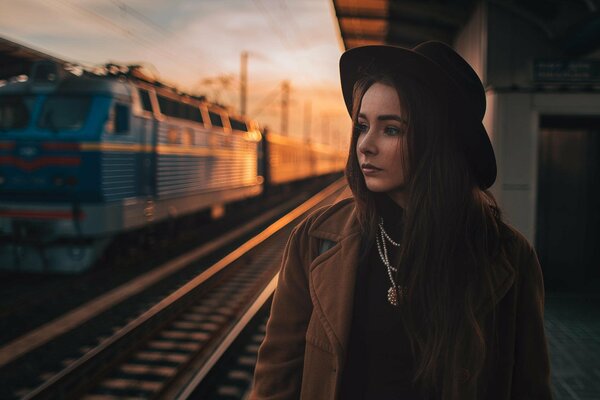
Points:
573	332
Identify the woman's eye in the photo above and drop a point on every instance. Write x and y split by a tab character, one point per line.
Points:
392	131
361	128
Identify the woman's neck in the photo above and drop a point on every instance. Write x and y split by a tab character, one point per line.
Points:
399	197
389	210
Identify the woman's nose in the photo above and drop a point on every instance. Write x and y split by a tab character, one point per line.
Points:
366	144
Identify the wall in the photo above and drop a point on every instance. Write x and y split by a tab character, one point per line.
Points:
501	45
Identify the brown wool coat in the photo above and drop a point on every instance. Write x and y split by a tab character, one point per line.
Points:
305	345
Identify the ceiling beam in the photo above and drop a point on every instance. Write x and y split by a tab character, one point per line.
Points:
438	13
363	36
362	14
432	31
410	39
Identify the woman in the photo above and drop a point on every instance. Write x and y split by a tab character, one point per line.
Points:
426	292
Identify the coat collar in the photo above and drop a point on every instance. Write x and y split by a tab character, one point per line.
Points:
333	273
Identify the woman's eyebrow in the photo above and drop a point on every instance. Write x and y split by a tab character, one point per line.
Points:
392	117
386	117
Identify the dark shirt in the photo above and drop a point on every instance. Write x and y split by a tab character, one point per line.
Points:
379	363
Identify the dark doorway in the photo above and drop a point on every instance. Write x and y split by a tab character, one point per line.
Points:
568	202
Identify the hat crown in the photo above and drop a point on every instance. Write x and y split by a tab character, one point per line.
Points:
457	70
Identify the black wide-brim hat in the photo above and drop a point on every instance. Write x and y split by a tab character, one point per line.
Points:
444	70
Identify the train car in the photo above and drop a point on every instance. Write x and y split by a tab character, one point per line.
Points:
290	159
84	157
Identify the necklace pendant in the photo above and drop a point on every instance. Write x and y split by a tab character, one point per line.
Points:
392	296
395	295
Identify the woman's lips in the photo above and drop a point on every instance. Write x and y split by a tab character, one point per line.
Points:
369	169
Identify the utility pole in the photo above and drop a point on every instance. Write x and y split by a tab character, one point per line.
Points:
307	119
285	106
243	82
325	138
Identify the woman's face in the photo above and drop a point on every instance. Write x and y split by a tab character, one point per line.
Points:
381	147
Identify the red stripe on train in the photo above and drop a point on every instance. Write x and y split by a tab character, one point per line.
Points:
32	214
40	162
7	145
61	146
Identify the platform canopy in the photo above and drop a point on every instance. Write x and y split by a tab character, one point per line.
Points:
573	25
403	23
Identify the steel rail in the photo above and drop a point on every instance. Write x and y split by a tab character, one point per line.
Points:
187	391
74	380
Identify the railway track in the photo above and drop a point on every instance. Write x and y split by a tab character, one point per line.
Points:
28	301
170	349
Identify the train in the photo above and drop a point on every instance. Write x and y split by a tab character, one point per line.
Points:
88	155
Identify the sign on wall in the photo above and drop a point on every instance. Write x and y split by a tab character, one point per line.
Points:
578	71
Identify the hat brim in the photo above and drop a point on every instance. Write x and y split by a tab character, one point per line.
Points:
357	62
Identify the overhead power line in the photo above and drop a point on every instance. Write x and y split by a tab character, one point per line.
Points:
158	28
142	18
291	22
274	24
267	101
123	31
173	58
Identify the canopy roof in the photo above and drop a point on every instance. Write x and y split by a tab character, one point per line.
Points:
574	25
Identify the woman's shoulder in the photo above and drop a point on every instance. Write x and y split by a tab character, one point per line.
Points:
512	240
518	250
325	224
343	207
332	220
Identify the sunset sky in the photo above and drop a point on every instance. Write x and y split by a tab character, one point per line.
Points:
191	43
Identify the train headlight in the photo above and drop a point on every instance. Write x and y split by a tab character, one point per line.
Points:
77	252
62	180
58	181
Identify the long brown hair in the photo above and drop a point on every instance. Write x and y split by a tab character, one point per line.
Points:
451	234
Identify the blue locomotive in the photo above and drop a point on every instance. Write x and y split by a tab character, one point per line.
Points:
84	157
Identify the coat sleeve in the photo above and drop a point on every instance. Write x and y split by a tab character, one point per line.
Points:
278	373
531	373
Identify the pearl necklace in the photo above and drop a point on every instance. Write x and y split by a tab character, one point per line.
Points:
396	293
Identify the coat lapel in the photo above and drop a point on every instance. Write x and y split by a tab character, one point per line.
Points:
333	278
503	278
333	273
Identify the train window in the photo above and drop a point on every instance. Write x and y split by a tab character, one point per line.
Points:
180	110
145	98
177	109
166	106
66	113
238	125
215	119
15	111
162	104
194	114
121	118
174	109
170	108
